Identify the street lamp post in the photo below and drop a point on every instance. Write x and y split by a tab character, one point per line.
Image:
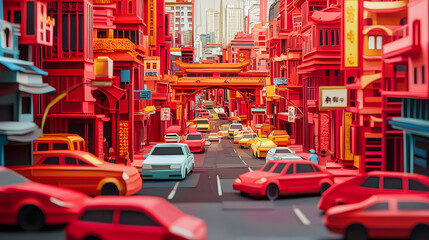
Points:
67	91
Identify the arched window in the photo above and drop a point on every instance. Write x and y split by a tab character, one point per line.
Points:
120	7
6	36
416	33
350	80
130	7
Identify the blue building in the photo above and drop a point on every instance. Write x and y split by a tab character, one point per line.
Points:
19	81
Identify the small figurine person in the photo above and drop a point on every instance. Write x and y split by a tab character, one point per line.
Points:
313	157
111	155
105	149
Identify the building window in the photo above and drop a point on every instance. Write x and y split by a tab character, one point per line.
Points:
423	74
371	42
415	75
147	65
321	37
26	105
120	7
326	38
101	34
337	37
332	37
130	7
379	42
31	18
154	66
17	17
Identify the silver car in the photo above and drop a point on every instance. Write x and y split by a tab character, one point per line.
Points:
281	153
172	138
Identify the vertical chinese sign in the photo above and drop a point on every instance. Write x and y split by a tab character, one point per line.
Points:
246	24
351	33
123	138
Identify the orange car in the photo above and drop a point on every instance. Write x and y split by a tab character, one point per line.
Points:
83	172
59	141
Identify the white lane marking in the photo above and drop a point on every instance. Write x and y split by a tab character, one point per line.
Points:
235	151
301	216
219	187
239	157
173	192
250	170
244	162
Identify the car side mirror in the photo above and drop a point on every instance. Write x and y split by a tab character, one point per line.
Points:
145	155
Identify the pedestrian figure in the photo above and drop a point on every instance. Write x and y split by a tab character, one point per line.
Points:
313	157
111	155
105	149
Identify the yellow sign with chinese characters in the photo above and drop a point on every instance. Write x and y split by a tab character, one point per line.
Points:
347	136
351	33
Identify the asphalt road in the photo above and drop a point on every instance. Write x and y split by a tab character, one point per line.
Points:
207	193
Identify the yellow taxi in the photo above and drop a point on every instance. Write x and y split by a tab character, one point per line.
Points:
232	129
203	124
261	146
214	116
223	130
238	134
213	137
280	137
247	139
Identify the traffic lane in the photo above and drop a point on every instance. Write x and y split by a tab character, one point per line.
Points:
15	233
259	221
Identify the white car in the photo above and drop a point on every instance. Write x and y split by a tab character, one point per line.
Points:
281	153
172	138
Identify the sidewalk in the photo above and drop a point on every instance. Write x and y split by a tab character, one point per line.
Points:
337	169
139	158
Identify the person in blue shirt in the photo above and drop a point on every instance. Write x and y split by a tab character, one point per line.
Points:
313	157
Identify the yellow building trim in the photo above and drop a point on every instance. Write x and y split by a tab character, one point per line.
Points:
384	5
368	29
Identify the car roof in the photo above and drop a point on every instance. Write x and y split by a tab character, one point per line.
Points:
291	161
115	201
170	145
283	148
200	119
56	152
393	174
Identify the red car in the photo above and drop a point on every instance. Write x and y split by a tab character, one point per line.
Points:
364	186
31	205
222	116
204	115
136	217
381	216
280	177
195	141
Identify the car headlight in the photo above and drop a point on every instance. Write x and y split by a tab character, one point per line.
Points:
125	176
58	202
175	166
237	180
261	181
146	166
182	232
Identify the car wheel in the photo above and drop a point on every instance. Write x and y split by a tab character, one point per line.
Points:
272	192
420	232
356	232
244	194
110	189
324	187
92	238
31	218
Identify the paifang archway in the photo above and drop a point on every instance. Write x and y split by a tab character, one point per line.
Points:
197	77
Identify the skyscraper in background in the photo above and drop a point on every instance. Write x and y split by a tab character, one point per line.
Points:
212	24
254	15
183	22
234	22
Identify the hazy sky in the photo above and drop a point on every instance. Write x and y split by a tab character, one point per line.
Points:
201	6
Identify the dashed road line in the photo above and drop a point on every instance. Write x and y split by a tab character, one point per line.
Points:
235	151
219	187
239	157
173	192
244	162
301	216
250	170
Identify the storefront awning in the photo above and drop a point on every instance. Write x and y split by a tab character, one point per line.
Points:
411	125
29	137
16	128
16	65
36	88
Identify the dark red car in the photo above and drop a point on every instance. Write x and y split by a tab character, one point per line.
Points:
195	141
381	216
134	217
222	116
32	205
281	177
364	186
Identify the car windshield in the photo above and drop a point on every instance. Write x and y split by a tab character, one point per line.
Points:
213	135
194	137
247	136
10	178
171	135
92	159
225	128
236	127
267	143
202	122
167	151
283	151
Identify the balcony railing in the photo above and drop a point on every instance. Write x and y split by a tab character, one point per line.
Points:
400	32
114	44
